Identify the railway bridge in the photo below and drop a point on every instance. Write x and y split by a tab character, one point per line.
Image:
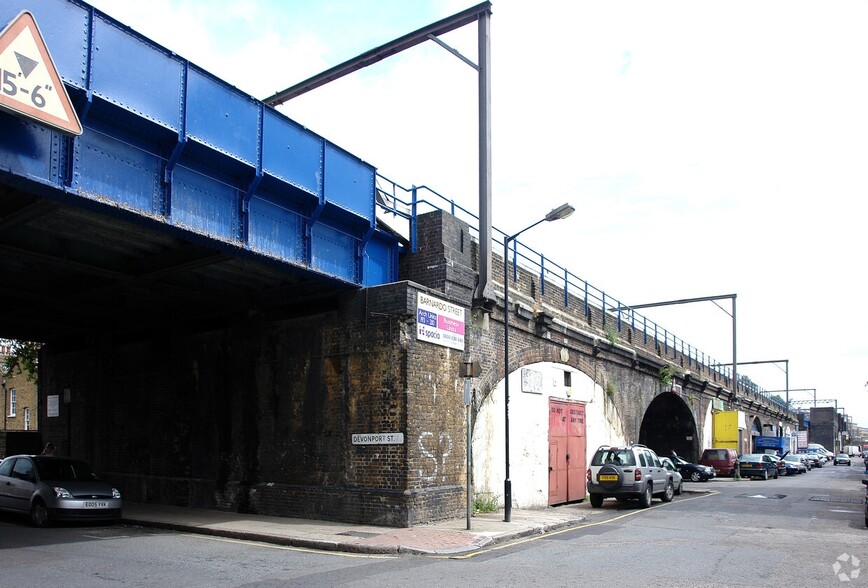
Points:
238	314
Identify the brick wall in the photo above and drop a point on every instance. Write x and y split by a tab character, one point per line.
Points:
257	414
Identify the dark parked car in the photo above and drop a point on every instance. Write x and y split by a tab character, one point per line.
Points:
693	471
723	460
779	463
842	459
757	465
56	489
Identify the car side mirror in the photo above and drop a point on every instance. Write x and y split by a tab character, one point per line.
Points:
865	481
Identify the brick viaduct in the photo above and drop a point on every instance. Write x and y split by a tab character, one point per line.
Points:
257	415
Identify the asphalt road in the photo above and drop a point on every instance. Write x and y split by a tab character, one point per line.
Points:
786	532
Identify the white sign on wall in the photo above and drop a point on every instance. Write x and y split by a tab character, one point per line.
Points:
53	406
531	381
439	322
378	438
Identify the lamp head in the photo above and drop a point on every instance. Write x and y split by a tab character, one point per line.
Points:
562	211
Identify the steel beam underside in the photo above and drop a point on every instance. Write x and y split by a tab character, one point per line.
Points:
168	141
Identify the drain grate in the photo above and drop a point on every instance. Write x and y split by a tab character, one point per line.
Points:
766	496
837	499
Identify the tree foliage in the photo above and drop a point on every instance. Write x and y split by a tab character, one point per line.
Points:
24	358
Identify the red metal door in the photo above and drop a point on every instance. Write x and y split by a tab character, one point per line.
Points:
576	446
558	451
566	451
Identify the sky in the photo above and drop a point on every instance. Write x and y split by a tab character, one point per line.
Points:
709	147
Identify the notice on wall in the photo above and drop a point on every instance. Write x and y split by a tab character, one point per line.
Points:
53	406
378	438
802	439
531	381
439	322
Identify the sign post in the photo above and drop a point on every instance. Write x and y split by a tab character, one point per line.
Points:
468	370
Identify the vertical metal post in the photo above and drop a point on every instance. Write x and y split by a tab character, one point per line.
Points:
734	353
507	484
787	367
469	459
484	43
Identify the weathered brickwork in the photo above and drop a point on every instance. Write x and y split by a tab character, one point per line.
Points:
257	414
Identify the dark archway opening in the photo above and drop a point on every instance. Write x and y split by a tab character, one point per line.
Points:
669	426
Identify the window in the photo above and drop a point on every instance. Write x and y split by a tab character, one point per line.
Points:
568	379
12	401
23	469
26	419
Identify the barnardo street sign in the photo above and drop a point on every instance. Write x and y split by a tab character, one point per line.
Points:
30	86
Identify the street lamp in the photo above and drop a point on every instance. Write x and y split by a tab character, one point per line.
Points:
562	211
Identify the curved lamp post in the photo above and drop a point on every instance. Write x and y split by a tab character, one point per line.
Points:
562	211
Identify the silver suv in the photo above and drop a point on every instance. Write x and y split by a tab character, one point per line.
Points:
633	471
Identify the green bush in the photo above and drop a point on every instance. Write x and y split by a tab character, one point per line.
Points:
485	502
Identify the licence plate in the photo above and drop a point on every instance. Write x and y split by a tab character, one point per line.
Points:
95	504
608	478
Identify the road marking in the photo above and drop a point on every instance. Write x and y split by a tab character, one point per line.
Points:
568	529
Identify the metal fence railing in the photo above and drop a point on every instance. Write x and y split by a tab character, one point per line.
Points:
406	203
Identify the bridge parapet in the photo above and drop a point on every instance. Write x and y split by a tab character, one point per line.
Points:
543	309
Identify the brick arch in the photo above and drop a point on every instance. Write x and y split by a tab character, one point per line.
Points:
668	426
528	350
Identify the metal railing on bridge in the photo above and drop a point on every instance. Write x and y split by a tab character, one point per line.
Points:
407	203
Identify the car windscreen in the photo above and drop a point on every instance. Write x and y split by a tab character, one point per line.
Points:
615	456
63	470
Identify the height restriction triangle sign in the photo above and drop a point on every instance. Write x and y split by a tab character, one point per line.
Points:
29	83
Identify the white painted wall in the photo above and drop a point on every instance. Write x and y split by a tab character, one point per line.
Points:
706	437
528	432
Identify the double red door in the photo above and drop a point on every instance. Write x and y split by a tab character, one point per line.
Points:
567	450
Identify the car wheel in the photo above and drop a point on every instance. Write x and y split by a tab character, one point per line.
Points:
39	513
668	492
596	500
680	488
695	477
765	474
645	500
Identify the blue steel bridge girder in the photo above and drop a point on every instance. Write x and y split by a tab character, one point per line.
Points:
167	141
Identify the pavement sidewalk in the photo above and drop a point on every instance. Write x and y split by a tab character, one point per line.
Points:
442	538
